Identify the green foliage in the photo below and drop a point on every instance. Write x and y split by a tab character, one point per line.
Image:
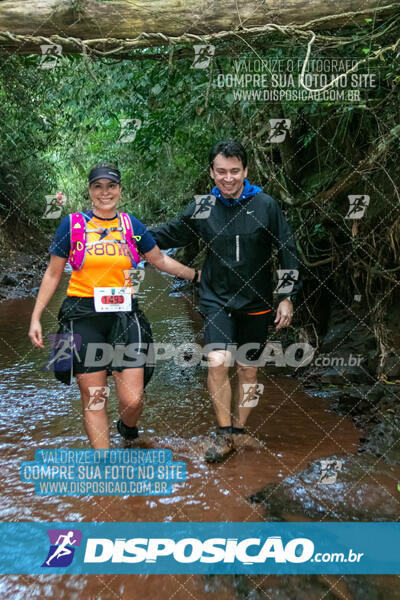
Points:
25	168
57	123
71	119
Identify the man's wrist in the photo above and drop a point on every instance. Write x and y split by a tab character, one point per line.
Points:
195	276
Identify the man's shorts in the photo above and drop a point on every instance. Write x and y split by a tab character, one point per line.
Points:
98	344
244	333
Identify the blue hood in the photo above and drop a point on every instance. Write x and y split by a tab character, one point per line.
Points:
249	190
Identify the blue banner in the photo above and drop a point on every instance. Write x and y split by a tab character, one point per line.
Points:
214	548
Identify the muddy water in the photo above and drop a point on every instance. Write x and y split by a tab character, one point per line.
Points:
289	427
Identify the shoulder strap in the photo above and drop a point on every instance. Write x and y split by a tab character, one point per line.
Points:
78	238
127	234
126	224
77	227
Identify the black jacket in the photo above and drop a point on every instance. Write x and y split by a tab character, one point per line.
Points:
237	271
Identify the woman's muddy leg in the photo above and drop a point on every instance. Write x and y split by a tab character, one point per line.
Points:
94	405
130	395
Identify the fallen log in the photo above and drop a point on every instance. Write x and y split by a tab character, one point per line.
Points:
165	22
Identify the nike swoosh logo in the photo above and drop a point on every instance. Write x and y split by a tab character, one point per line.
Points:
249	212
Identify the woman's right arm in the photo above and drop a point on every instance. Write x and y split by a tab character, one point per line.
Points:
49	284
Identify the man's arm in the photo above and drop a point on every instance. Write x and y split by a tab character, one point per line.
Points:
178	232
283	239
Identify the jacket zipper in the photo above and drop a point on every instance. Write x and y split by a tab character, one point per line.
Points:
237	249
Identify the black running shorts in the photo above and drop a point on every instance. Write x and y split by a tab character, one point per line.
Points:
100	351
244	333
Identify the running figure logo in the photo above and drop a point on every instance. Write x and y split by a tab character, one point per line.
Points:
133	278
129	129
62	547
62	346
287	278
98	394
202	55
358	206
50	55
251	394
54	206
329	471
203	206
279	129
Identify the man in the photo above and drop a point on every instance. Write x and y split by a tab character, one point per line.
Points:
239	225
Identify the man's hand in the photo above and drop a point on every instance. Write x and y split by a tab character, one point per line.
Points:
284	314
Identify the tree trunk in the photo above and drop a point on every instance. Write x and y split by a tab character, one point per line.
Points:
127	19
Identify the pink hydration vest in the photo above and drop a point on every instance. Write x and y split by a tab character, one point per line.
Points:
78	237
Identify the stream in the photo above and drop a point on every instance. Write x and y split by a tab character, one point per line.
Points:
291	429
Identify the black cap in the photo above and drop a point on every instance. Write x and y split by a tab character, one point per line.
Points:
104	172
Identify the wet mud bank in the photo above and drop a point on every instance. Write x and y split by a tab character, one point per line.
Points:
354	486
20	274
360	486
359	370
23	260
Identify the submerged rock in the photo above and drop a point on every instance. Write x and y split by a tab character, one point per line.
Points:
365	489
348	351
376	410
312	587
285	587
26	274
10	279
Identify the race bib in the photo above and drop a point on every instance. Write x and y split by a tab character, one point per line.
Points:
112	299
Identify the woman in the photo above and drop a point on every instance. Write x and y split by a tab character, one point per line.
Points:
101	253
